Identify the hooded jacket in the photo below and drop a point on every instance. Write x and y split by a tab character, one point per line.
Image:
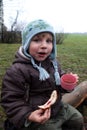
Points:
23	92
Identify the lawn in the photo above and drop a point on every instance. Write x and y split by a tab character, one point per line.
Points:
72	54
7	52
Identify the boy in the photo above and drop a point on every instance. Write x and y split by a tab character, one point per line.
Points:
31	79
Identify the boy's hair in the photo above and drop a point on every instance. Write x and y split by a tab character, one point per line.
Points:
34	28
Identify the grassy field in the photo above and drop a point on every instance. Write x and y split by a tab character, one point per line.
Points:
7	52
72	55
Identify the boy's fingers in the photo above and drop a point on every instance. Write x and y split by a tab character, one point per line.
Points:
46	115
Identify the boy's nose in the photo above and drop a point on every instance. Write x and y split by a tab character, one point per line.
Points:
44	44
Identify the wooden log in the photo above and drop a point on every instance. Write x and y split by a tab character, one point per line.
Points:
77	96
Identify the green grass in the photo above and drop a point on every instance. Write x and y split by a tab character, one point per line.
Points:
1	129
7	52
72	55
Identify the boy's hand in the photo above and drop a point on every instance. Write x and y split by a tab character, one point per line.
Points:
76	76
40	115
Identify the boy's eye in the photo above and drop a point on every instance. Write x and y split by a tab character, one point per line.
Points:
49	41
39	40
36	40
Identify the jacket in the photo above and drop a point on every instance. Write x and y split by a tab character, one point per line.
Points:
22	91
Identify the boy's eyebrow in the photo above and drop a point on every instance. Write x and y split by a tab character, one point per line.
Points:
40	35
35	37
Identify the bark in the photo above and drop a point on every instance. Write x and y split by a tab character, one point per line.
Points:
77	96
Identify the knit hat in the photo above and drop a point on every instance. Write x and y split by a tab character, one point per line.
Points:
28	33
34	28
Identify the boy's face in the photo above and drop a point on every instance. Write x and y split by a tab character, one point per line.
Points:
41	46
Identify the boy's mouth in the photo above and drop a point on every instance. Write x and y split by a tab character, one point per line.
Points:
42	53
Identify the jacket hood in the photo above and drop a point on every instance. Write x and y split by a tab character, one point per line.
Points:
20	57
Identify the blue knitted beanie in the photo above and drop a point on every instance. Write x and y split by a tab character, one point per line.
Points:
34	28
28	33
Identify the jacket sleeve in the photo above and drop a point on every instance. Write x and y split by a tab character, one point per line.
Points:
13	97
